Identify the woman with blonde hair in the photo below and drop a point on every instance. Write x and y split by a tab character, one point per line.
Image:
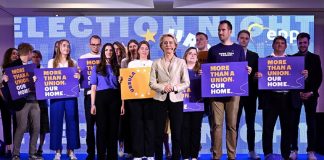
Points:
169	77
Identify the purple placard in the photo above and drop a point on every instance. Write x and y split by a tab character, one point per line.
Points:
224	79
20	80
192	101
55	83
86	65
281	73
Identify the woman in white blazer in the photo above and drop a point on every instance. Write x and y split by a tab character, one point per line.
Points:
169	77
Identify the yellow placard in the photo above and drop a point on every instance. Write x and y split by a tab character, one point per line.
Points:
135	83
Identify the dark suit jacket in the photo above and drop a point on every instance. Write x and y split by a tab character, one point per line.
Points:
266	103
314	79
18	104
252	59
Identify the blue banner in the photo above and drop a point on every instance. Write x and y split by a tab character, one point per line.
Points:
42	32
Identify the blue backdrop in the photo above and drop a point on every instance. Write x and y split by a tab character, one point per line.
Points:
42	32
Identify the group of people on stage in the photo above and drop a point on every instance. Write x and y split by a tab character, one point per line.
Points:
139	124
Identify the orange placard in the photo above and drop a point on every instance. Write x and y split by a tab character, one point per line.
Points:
135	83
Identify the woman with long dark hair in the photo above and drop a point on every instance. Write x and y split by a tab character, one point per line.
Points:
10	55
106	102
120	51
125	137
131	53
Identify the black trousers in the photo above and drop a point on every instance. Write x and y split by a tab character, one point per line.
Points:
124	133
90	121
142	127
191	134
6	116
108	105
248	103
310	110
280	107
207	111
175	111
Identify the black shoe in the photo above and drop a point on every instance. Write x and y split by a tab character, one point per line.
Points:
90	157
8	154
39	153
15	157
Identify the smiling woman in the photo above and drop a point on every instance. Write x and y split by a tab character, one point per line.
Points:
169	78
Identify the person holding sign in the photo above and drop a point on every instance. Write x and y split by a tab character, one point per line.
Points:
141	112
169	77
10	55
191	125
27	109
64	107
226	51
124	135
274	104
308	97
248	103
106	102
94	44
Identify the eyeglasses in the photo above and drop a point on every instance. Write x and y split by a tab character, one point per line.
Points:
167	42
97	45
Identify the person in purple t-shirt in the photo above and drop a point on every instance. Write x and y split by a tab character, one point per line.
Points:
226	51
106	102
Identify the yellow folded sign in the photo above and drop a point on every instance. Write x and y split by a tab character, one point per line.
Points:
135	83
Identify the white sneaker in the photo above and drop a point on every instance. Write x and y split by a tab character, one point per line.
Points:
137	158
150	158
293	155
57	156
121	151
253	155
311	155
72	156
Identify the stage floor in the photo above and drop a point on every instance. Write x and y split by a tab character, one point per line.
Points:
202	157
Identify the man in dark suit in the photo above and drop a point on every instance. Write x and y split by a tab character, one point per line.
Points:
276	103
308	97
249	102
